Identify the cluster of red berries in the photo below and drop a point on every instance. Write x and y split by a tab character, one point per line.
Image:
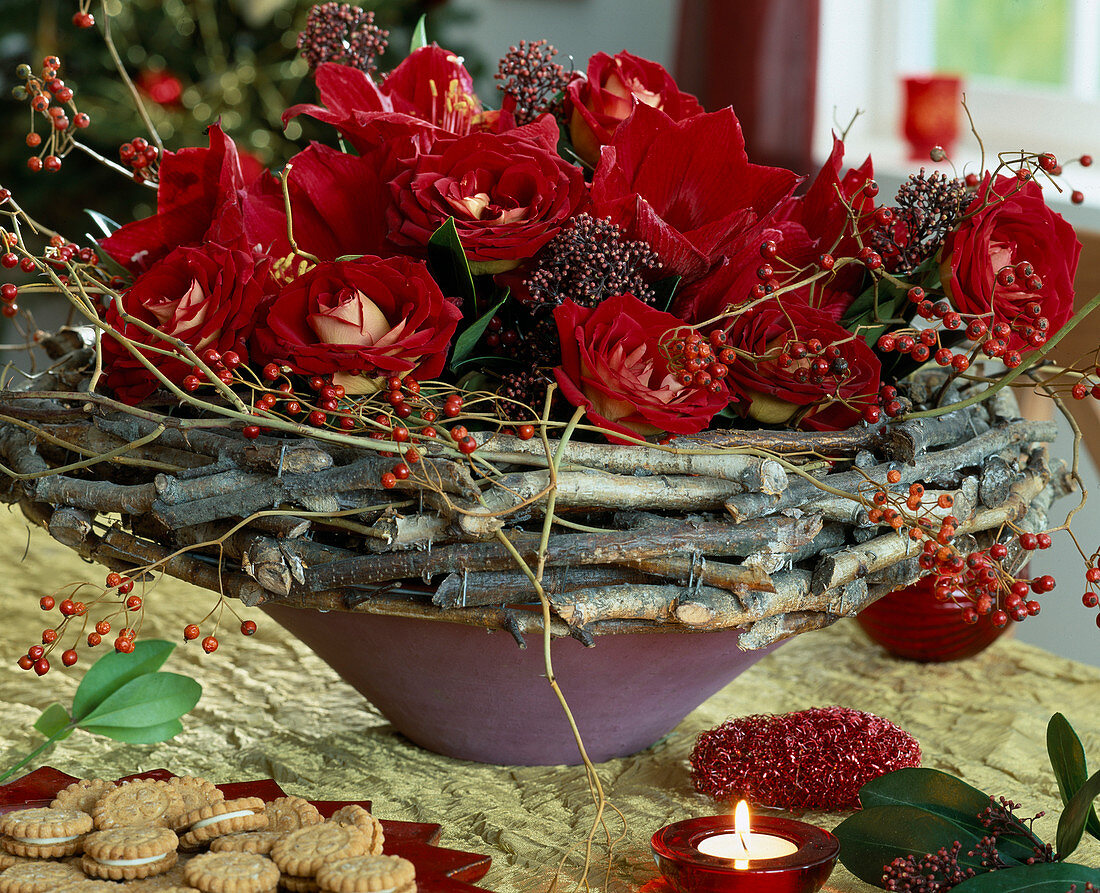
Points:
141	158
978	577
700	361
210	643
118	591
48	95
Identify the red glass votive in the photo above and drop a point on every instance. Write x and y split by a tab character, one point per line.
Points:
931	113
676	851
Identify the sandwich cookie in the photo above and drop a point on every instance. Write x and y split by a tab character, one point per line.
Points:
44	833
37	877
137	803
301	853
129	852
368	874
291	813
83	794
365	822
218	819
195	793
232	873
259	842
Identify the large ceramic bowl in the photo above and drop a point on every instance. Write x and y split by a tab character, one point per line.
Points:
472	693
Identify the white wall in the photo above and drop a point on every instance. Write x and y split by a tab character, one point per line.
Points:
578	28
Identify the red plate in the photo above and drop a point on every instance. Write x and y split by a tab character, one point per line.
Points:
438	870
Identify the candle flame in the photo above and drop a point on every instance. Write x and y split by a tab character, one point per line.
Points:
741	823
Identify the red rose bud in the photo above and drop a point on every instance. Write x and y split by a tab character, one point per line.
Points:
374	316
207	297
508	193
597	104
613	364
1006	224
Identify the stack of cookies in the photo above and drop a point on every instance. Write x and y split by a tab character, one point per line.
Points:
182	835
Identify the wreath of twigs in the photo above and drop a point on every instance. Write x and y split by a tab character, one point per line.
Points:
768	531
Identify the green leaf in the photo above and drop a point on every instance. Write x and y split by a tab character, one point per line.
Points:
343	258
873	838
146	701
1067	759
420	35
1044	877
467	341
448	264
53	719
142	734
943	795
665	291
112	671
1072	823
104	222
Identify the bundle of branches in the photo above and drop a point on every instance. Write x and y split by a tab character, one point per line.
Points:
775	532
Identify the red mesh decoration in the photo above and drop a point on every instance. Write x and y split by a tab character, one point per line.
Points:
813	759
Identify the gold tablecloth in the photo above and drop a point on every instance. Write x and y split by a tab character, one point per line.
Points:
270	708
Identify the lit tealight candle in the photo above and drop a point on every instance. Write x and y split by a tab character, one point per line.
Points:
744	844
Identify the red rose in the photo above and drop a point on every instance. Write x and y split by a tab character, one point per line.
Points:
612	364
1009	224
337	203
775	382
599	103
508	193
205	194
686	187
372	315
207	297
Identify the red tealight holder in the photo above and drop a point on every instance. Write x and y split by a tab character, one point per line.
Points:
676	851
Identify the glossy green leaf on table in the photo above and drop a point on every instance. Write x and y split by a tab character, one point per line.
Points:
874	837
112	671
1067	759
150	700
1071	825
53	721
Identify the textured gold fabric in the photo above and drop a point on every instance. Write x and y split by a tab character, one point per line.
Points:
270	708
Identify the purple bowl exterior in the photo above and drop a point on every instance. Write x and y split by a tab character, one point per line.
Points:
675	850
473	694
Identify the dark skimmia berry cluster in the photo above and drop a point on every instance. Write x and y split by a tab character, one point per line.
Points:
340	32
927	208
533	80
588	261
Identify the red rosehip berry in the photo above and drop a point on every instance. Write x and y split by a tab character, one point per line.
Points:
103	627
49	636
84	20
113	579
68	658
1077	197
46	603
42	666
1028	541
191	631
248	627
1090	599
94	639
998	551
389	480
133	603
124	645
1042	540
68	607
210	644
126	586
35	652
251	431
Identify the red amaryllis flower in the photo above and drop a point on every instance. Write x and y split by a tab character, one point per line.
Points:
782	367
203	196
685	187
373	316
508	193
599	103
612	364
431	89
207	297
1007	226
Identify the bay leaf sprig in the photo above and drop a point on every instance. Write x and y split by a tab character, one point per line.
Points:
124	697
